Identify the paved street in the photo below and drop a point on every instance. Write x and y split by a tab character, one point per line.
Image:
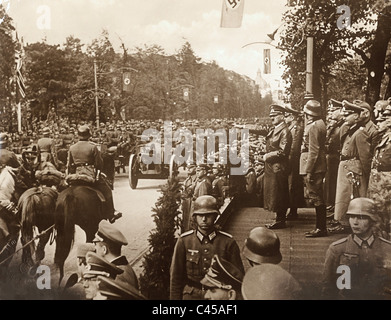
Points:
136	223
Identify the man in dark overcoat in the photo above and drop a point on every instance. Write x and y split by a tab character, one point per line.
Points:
278	147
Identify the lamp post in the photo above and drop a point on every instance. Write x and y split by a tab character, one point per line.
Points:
96	95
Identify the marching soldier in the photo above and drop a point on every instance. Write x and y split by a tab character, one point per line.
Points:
296	188
366	256
314	165
195	249
354	166
278	147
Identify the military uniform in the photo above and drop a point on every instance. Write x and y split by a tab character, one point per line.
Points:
84	161
192	258
333	150
379	187
370	265
355	161
278	147
187	197
48	150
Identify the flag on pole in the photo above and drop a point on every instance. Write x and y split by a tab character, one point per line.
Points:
186	94
232	14
126	81
266	61
21	87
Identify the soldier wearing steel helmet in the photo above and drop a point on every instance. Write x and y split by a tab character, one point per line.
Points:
195	249
7	157
365	256
262	246
313	164
84	166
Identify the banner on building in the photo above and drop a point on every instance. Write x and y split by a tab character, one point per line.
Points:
232	14
266	61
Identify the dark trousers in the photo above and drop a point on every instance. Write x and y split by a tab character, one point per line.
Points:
103	187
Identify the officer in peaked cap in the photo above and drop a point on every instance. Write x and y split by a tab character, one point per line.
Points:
276	109
195	249
108	243
349	108
270	282
334	105
262	246
116	289
295	123
223	280
99	266
278	147
367	256
108	232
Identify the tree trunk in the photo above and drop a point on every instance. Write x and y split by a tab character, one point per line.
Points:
378	55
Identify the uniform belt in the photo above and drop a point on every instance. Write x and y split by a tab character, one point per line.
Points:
83	165
344	158
194	284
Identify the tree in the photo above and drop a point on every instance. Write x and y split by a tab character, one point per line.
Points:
332	45
155	279
7	66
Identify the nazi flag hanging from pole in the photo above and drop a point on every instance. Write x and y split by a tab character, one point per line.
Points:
266	61
126	81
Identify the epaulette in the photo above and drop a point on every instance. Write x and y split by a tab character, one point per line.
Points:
226	234
187	233
385	240
339	241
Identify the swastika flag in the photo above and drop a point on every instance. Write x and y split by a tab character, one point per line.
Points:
266	61
126	81
232	14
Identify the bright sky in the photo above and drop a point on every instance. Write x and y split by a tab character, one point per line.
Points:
168	23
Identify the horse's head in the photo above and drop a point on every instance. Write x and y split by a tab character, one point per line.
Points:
31	157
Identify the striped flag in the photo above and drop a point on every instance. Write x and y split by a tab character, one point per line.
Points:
19	77
232	14
20	81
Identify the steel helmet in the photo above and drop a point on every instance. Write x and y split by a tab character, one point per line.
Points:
362	207
84	131
205	204
4	138
313	108
262	246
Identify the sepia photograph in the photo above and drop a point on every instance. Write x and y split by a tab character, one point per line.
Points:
170	150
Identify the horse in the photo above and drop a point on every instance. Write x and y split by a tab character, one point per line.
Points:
36	206
77	205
